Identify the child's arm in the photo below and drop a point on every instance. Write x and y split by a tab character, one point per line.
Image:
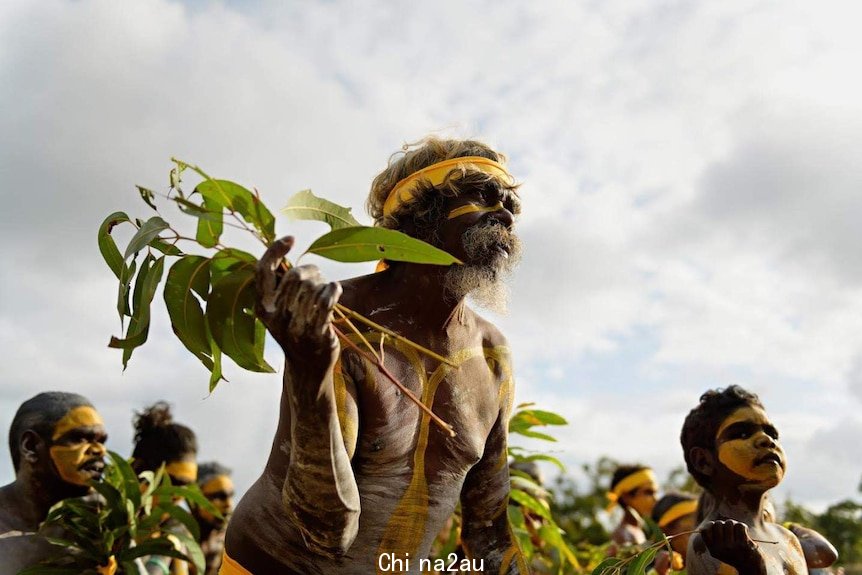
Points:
724	542
819	552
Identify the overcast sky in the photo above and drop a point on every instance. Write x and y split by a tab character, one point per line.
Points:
691	191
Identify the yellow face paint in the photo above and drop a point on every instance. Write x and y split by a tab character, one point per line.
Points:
641	478
185	471
644	499
222	486
741	454
69	457
472	208
81	416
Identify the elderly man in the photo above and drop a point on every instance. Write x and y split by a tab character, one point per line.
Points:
57	445
360	480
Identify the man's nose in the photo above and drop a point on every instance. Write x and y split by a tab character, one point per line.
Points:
97	448
503	216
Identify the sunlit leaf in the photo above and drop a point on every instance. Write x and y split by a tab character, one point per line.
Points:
363	244
530	502
233	329
639	564
305	205
606	566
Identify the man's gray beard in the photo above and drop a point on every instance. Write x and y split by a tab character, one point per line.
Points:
485	283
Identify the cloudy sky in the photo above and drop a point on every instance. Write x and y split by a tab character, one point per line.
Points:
691	184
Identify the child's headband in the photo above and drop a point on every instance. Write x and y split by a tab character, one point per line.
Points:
630	482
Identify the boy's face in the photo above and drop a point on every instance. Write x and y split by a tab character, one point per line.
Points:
747	445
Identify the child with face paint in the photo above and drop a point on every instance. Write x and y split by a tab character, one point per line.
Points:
57	444
216	485
158	440
634	488
676	516
732	450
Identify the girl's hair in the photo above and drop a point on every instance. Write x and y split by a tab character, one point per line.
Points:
159	440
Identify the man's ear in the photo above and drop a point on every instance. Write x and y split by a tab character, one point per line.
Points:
702	460
32	446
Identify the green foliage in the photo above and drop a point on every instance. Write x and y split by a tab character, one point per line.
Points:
530	515
124	520
306	206
210	297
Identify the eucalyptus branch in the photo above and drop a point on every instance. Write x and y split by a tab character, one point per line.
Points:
392	334
349	343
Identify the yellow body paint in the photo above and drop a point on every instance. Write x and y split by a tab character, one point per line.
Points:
471	208
739	455
407	525
349	427
81	416
183	470
220	484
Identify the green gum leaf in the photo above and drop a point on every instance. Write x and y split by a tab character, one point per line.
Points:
305	205
363	244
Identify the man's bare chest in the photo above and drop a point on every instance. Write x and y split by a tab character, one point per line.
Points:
396	436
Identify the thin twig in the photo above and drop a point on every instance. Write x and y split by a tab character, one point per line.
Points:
442	424
359	334
391	333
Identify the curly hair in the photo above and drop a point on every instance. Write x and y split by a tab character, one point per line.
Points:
159	440
702	422
425	211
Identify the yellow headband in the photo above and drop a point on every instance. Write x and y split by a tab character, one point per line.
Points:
436	174
676	511
81	416
185	470
216	484
633	481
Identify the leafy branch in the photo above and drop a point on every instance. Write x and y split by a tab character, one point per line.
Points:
210	298
124	521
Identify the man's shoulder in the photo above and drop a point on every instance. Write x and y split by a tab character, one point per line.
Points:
490	333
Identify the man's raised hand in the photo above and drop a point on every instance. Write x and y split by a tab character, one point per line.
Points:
296	307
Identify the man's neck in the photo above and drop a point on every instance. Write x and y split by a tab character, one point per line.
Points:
420	291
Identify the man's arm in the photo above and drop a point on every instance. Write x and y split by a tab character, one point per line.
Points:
486	533
320	494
